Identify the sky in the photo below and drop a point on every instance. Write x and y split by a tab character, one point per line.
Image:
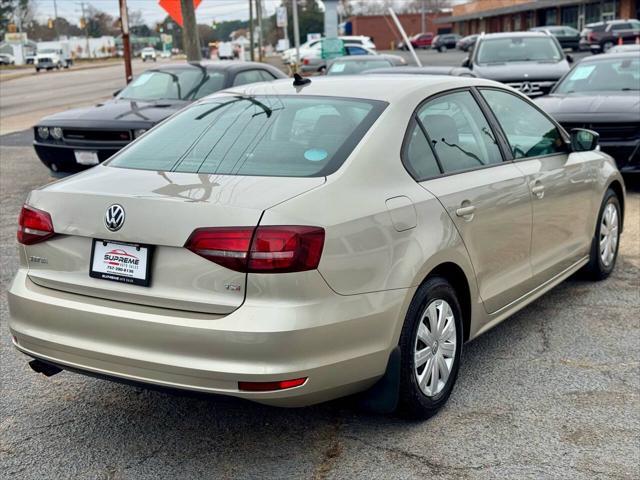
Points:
209	10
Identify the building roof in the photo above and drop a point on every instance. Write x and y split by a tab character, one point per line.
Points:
522	7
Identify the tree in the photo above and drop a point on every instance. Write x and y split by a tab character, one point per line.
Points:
19	12
100	23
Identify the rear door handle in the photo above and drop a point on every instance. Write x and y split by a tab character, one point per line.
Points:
465	211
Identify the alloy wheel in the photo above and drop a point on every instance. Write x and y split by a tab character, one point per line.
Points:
435	347
609	233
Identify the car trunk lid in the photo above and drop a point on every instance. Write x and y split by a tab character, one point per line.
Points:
162	213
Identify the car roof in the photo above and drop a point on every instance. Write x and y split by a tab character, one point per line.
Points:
609	56
514	35
215	65
355	58
388	88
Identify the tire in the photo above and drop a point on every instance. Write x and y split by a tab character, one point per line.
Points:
600	266
37	70
606	46
442	49
414	400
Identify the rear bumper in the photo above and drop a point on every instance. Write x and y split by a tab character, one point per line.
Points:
64	159
341	343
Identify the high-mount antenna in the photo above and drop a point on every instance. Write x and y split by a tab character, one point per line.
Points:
299	81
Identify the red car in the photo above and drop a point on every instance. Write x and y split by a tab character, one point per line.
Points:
421	40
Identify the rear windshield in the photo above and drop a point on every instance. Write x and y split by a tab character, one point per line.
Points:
286	136
178	84
519	49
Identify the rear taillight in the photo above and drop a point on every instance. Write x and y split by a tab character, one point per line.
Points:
305	61
34	226
590	37
268	249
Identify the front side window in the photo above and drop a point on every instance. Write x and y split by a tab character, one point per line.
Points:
528	131
459	132
518	49
246	77
255	135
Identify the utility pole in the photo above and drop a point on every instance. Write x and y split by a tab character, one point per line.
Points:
190	37
126	45
252	45
55	19
424	23
86	30
296	32
259	15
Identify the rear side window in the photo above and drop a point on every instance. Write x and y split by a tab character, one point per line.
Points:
249	76
529	132
286	136
459	132
418	155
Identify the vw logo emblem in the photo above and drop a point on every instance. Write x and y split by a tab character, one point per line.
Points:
525	87
114	218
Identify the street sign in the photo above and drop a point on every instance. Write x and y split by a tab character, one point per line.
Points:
173	8
332	48
166	39
16	38
281	17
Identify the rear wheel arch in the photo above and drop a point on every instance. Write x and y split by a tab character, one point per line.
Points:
455	275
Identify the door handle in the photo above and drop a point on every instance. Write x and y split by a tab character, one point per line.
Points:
465	211
538	190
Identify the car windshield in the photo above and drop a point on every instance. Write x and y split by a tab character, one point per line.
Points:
518	49
357	66
178	84
285	136
48	50
616	74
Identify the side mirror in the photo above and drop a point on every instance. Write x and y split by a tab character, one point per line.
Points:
466	63
583	140
115	94
569	59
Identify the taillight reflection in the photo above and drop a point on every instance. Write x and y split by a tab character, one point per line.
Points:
266	249
34	226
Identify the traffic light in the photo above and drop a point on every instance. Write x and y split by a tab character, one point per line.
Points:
50	23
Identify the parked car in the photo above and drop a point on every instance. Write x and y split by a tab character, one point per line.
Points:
568	37
354	65
601	36
602	93
420	40
7	59
313	48
625	48
445	41
294	242
531	62
77	139
466	43
429	70
148	53
315	63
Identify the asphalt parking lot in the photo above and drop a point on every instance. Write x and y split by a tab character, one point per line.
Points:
553	392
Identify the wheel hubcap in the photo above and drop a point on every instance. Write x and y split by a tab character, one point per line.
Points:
609	234
435	347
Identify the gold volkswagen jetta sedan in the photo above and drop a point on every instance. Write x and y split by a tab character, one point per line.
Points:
290	243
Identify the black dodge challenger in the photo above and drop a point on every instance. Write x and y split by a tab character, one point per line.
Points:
77	139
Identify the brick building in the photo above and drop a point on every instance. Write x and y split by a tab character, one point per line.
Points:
513	15
384	32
